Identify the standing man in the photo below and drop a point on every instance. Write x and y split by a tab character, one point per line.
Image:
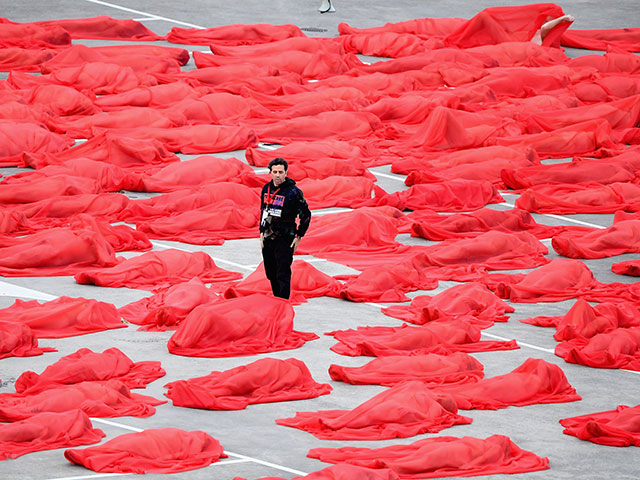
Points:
281	203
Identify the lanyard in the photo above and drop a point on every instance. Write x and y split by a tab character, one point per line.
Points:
270	195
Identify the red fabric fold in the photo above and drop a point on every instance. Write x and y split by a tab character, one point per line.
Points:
262	381
18	340
616	428
621	237
618	348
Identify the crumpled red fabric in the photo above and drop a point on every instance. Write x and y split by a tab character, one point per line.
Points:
30	35
627	267
616	428
18	340
467	299
436	337
341	472
402	411
47	431
262	381
431	368
603	39
110	399
440	457
63	317
163	450
533	382
238	327
21	139
102	27
167	308
618	348
85	365
306	282
153	270
46	187
234	34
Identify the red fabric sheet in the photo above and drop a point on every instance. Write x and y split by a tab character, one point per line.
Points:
465	299
432	369
54	252
401	411
29	35
21	139
621	237
306	282
339	191
18	340
450	196
618	348
262	381
24	59
237	327
341	472
59	100
438	337
104	400
47	431
153	270
533	382
103	27
46	187
167	308
63	317
87	366
297	152
432	226
616	428
440	457
605	39
234	34
163	450
627	267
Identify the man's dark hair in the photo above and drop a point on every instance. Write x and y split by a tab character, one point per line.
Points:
279	161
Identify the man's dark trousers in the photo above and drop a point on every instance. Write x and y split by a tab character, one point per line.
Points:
278	255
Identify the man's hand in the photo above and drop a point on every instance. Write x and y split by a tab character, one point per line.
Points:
262	240
295	243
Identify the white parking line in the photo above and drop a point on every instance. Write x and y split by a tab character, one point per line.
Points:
560	217
386	175
140	12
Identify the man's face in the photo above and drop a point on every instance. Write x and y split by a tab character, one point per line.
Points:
278	174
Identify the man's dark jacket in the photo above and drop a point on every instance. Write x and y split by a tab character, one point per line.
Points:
283	204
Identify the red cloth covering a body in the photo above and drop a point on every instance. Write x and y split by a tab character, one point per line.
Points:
466	299
599	171
450	196
157	96
208	225
388	44
47	431
47	187
104	400
195	172
297	152
153	270
433	369
303	44
167	308
54	252
584	321
21	139
196	139
306	282
557	281
341	472
59	100
402	411
234	35
87	366
24	59
508	24
265	380
183	201
438	337
605	39
29	35
238	327
628	267
440	457
123	151
618	348
533	382
56	211
163	450
63	317
104	28
18	340
621	237
616	428
339	191
120	237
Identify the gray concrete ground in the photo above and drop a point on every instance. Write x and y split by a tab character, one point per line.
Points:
257	446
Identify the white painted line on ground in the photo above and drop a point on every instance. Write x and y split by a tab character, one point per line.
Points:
497	337
336	210
95	475
560	217
386	175
239	456
140	12
146	19
9	290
